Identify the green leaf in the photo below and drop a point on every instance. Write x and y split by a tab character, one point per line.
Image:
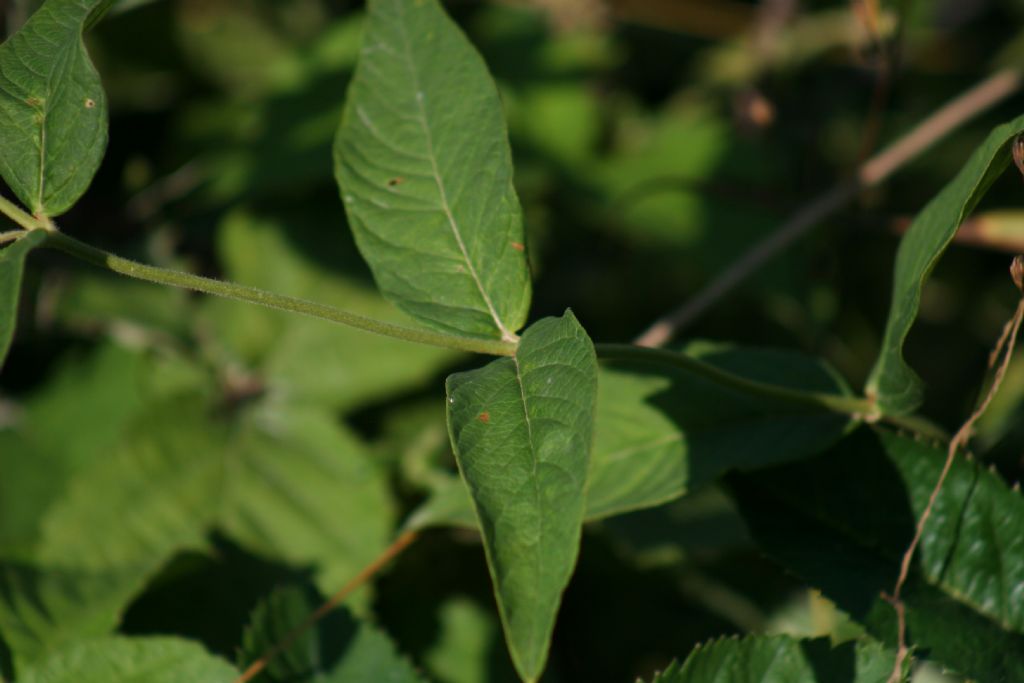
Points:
338	649
782	659
119	520
127	660
12	264
53	112
44	609
522	429
662	431
895	386
423	161
843	521
302	489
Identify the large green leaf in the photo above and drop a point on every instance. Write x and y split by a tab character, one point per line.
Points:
423	161
53	112
843	521
661	431
522	430
892	383
782	659
339	649
12	264
128	660
300	488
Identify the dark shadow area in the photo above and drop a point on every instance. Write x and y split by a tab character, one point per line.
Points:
222	587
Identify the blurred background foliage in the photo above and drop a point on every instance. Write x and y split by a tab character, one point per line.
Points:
653	140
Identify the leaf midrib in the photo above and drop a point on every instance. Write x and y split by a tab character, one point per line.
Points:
506	334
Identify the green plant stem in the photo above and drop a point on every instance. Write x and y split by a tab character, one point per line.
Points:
835	403
231	290
856	407
859	408
11	235
16	214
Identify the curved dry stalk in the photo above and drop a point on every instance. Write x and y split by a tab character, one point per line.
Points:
1003	348
956	112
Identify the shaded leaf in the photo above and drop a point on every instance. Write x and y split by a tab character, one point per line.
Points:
12	264
781	659
843	521
662	431
53	112
522	428
338	649
423	161
895	386
126	660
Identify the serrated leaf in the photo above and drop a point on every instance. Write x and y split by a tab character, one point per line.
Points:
302	489
12	264
662	431
423	161
843	521
44	609
522	428
781	659
53	112
127	660
894	385
338	649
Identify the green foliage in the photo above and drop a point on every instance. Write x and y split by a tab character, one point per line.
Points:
210	470
423	139
522	430
339	649
775	659
53	111
122	660
12	263
842	521
892	383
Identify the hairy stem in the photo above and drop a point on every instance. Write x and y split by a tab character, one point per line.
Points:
858	408
16	214
231	290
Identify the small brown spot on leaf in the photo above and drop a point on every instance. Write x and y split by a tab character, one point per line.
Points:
484	417
89	103
33	101
398	180
518	246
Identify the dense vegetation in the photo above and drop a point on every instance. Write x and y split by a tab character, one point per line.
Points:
315	324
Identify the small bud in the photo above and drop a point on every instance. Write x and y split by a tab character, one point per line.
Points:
1018	153
1017	272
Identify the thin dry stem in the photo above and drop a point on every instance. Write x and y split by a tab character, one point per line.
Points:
1004	348
982	96
392	551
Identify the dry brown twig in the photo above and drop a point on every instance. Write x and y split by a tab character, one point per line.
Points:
1004	350
993	89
